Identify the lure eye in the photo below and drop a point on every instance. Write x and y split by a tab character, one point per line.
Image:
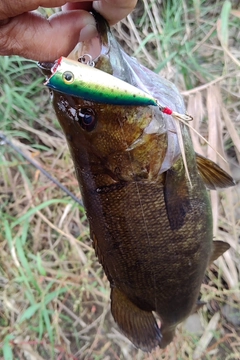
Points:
87	119
68	77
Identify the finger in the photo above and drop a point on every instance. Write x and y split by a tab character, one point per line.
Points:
114	10
13	8
83	5
32	36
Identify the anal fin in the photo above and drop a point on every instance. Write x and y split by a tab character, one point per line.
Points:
219	247
168	335
139	326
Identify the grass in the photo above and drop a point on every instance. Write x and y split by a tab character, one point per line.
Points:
54	296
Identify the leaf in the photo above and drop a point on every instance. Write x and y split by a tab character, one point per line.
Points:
33	211
40	267
25	264
7	352
53	295
7	348
226	9
40	326
48	325
8	233
30	312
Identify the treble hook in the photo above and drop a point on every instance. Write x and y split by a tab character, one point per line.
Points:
86	59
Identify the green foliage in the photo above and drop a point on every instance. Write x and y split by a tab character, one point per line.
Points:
20	84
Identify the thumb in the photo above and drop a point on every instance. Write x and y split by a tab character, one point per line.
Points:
37	38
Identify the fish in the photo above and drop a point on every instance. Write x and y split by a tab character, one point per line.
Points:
150	223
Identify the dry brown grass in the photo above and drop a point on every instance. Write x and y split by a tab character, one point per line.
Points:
44	246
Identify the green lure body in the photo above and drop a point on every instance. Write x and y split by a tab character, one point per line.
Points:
86	82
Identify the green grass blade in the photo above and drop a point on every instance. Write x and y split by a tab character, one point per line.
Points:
33	211
7	348
226	9
31	310
25	264
48	325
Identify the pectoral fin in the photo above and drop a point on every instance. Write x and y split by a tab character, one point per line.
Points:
176	198
212	175
139	326
219	247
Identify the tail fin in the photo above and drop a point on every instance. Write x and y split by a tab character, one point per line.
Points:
139	326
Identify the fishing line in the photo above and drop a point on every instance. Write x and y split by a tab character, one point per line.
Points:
88	60
4	140
203	138
182	147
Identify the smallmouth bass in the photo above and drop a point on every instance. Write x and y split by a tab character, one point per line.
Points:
150	225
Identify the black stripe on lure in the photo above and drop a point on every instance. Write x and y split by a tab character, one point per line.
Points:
77	79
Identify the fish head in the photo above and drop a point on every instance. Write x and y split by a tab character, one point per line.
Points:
124	142
128	141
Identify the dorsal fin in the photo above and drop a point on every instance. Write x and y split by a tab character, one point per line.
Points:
213	176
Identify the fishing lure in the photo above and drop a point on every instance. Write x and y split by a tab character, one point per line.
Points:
78	79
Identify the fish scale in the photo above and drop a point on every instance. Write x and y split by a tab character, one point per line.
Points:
152	253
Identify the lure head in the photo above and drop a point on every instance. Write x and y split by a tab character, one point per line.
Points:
61	77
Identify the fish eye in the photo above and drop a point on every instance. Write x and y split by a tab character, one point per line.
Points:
68	77
87	119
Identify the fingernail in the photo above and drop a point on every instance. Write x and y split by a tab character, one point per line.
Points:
88	32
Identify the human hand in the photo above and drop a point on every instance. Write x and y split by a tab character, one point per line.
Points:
23	31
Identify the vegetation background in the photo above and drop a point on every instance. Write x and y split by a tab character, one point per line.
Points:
54	296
